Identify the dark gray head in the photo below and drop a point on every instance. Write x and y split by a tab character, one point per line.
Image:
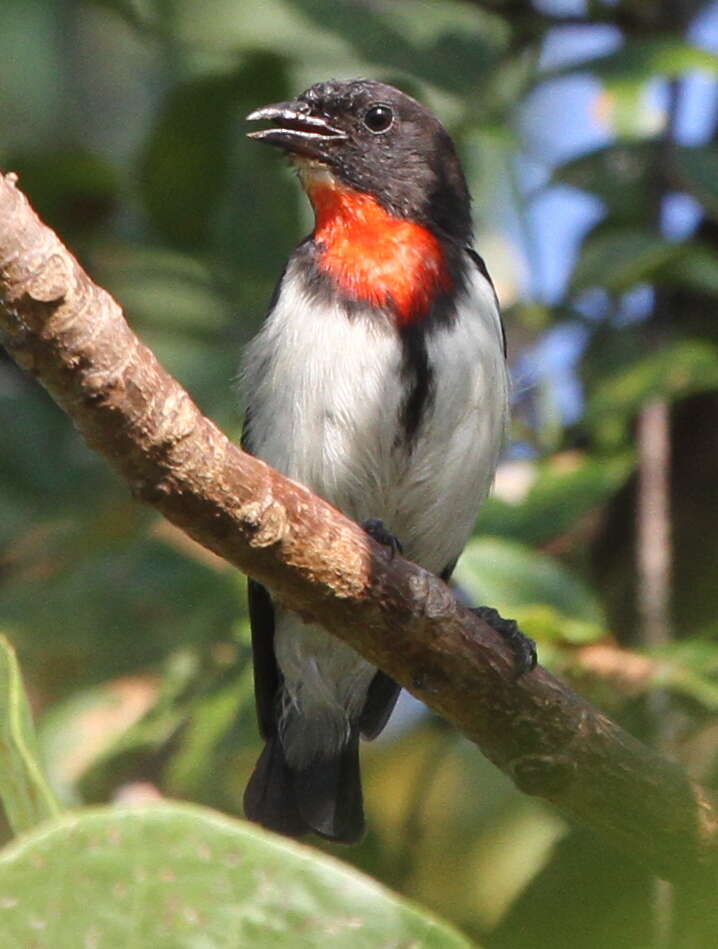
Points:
377	140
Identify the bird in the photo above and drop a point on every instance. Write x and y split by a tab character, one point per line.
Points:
378	380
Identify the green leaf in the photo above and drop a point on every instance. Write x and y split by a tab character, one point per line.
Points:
689	667
175	876
547	599
626	72
135	13
619	258
212	718
73	189
176	601
448	44
192	738
617	174
641	60
679	370
698	269
187	155
697	169
560	496
185	166
25	795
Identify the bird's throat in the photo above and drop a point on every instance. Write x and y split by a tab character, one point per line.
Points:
374	257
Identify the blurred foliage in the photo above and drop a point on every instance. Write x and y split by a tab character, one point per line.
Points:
124	120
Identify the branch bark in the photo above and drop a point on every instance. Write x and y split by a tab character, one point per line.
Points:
71	334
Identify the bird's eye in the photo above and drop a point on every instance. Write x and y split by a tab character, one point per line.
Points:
379	118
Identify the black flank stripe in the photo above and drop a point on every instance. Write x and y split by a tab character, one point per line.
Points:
419	378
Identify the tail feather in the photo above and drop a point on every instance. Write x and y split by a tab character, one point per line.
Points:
329	796
324	797
269	798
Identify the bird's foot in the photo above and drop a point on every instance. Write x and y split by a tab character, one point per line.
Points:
377	530
523	648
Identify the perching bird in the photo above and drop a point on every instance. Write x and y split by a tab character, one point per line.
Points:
379	381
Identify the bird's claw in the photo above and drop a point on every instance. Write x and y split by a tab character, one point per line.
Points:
523	648
377	530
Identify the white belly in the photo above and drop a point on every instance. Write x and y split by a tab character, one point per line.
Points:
326	393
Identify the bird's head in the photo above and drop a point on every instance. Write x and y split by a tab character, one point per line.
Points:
372	139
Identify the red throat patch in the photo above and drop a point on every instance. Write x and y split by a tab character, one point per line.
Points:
374	257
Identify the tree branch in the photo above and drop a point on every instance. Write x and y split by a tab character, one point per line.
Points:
70	334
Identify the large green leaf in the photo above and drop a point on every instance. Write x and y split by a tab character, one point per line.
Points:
187	154
186	163
175	876
26	798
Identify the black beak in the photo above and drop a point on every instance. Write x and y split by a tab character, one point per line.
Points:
296	130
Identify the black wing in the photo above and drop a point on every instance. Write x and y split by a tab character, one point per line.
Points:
479	261
267	677
380	701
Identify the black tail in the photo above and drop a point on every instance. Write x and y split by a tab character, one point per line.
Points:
269	798
324	798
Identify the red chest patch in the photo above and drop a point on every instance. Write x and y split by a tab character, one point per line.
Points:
372	256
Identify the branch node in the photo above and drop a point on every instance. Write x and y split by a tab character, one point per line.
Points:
49	283
266	524
433	598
